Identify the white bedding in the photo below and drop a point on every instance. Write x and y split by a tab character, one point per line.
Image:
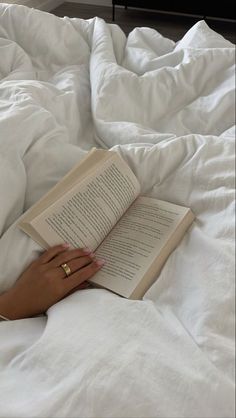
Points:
168	108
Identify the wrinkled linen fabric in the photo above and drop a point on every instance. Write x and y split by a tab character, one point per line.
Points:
168	109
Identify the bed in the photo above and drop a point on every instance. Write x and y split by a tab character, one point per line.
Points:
167	108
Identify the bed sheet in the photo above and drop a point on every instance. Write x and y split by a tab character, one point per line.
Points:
168	109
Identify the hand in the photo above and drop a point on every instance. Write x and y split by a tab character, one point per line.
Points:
44	282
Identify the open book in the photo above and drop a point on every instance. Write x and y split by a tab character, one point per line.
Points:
98	205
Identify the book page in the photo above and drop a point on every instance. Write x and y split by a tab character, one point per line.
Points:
81	170
135	242
86	214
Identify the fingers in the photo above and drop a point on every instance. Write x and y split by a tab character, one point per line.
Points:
83	286
49	254
66	256
83	274
60	254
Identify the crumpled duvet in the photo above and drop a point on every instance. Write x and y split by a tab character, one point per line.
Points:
168	109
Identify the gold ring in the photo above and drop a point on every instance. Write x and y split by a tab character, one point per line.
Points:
66	269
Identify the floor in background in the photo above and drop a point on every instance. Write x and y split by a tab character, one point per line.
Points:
170	26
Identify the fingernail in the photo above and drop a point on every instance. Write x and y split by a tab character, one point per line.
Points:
86	251
65	245
100	262
92	255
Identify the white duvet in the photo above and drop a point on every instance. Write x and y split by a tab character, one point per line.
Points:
168	109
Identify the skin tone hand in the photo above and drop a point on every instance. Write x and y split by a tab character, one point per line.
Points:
44	282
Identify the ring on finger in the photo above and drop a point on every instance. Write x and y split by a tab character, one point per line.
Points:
66	269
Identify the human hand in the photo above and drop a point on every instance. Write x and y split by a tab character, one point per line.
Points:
45	282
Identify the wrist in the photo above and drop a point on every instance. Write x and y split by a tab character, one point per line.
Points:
8	306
